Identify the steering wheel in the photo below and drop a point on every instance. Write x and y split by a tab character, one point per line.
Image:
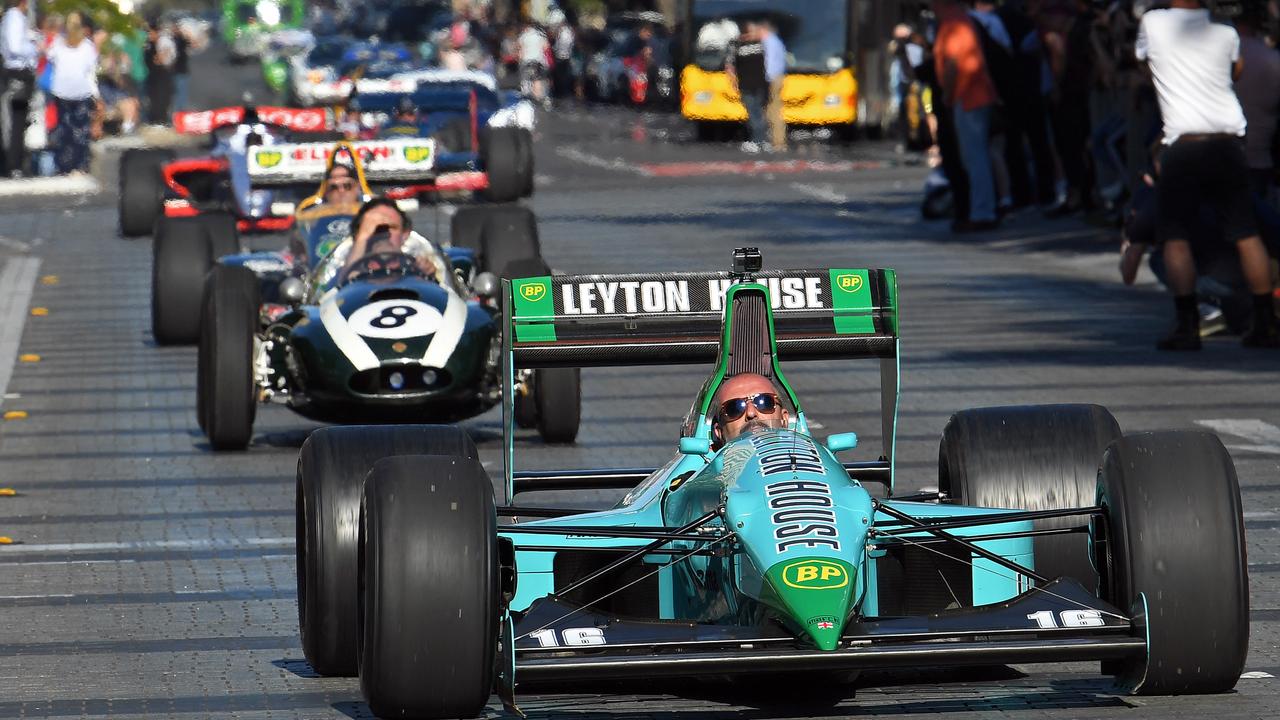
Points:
385	265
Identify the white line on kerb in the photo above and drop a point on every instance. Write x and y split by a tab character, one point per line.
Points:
142	545
17	281
1264	437
57	185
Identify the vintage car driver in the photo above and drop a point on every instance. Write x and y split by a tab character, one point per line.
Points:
746	402
382	214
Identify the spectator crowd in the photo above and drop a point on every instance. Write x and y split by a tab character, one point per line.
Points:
71	82
1156	118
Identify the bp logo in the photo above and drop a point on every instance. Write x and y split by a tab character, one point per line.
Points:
268	158
814	575
849	282
534	291
417	153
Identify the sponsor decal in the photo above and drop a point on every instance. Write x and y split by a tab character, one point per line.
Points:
676	296
803	515
533	291
399	346
849	282
417	153
823	622
787	453
268	158
815	575
396	319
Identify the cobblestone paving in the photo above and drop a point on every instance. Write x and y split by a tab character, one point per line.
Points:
153	578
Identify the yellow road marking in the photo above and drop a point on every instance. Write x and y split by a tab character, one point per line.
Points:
29	358
49	279
15	415
8	492
39	311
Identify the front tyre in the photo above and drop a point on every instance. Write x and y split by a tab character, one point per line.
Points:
429	587
500	154
181	259
225	379
1171	542
331	472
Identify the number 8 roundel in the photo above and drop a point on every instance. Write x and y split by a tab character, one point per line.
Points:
395	319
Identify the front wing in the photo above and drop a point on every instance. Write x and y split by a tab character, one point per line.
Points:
1059	622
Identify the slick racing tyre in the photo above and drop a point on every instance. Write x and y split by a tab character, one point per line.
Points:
511	236
226	386
559	404
500	157
180	261
526	404
430	583
467	226
525	139
1034	457
224	238
1170	541
331	471
141	189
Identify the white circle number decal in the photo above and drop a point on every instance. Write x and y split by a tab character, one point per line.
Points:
395	319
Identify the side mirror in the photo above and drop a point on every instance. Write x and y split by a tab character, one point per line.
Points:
292	290
695	446
842	441
486	285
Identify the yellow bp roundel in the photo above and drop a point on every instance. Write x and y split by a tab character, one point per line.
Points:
268	158
417	153
533	291
815	575
849	282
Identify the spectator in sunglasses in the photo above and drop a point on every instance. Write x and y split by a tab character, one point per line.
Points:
746	403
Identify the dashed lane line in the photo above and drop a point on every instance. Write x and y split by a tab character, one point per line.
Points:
202	544
57	185
17	281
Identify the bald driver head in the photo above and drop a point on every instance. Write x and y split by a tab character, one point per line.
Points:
747	402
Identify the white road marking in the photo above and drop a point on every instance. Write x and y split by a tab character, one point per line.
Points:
1256	675
581	156
57	185
30	597
30	549
18	245
17	281
1265	437
71	562
820	192
1258	514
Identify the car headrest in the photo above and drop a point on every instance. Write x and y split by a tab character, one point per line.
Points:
750	348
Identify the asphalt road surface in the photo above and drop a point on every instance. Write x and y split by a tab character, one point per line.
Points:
152	578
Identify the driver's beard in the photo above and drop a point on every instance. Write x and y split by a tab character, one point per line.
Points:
756	425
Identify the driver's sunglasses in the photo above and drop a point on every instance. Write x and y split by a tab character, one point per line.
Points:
766	404
349	185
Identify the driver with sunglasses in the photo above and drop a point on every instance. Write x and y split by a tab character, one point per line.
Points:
746	402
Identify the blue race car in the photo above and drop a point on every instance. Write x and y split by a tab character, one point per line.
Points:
1052	536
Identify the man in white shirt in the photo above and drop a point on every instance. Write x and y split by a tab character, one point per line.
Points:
533	62
19	53
1193	61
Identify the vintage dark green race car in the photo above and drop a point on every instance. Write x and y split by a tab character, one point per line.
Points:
1052	537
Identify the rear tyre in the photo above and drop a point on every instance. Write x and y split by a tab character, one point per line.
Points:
559	403
467	226
180	261
332	467
224	237
500	156
525	139
141	190
225	380
526	404
429	587
1171	541
510	235
1035	457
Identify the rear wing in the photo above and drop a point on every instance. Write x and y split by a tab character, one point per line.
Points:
296	119
677	319
393	160
673	319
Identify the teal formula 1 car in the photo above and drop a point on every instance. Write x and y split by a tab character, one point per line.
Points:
1051	538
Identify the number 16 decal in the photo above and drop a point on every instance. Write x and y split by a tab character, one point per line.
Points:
1069	618
570	637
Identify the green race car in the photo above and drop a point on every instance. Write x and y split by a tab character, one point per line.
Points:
1052	536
